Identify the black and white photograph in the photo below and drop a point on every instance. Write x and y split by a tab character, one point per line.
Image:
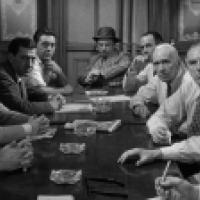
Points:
99	99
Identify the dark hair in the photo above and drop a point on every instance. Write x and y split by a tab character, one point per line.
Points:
40	32
157	36
18	42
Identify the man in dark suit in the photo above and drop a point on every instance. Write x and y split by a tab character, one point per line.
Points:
21	57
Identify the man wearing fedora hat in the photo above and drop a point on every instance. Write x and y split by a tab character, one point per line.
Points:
109	64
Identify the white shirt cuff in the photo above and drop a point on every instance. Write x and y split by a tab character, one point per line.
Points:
27	128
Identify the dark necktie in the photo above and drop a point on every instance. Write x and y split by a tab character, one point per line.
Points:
22	88
169	89
194	128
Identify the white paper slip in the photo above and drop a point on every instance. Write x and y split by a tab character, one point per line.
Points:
155	198
76	108
55	197
115	98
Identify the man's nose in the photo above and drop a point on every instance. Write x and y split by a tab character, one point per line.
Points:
161	67
29	63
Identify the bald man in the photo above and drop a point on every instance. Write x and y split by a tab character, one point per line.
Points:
169	74
180	110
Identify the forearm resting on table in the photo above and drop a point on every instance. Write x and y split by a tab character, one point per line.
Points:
51	90
11	133
114	71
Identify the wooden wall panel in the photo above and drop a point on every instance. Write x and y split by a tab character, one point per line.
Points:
163	17
108	13
139	21
79	21
78	64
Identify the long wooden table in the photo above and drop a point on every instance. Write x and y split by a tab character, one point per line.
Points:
99	160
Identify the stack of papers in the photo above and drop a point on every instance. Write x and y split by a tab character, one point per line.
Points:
109	126
115	98
76	108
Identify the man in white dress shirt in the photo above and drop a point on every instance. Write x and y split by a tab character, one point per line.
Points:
169	74
178	108
141	69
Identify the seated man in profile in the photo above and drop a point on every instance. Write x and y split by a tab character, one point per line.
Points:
46	77
141	69
169	76
21	57
109	64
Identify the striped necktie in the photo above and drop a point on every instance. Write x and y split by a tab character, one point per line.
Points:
194	128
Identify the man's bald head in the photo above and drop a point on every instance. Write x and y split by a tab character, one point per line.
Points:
166	62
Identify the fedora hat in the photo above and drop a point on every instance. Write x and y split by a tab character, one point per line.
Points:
106	33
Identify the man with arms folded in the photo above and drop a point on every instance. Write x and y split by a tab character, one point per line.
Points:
21	57
46	76
141	69
109	64
169	76
183	106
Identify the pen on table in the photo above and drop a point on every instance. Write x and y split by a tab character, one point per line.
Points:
166	170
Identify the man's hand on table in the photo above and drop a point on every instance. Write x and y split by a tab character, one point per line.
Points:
161	135
39	124
140	110
57	101
16	155
174	186
141	156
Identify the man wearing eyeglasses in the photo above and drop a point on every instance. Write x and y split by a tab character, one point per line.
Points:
109	64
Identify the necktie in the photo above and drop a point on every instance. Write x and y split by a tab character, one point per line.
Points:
194	128
169	89
22	88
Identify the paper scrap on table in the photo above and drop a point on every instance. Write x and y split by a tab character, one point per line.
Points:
72	148
96	92
48	134
55	197
155	198
65	176
115	98
109	126
75	108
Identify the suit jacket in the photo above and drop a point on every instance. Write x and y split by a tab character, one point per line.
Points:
9	117
14	96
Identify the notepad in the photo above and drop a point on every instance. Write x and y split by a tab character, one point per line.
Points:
115	98
55	197
76	108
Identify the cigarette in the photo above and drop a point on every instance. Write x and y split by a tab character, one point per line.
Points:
166	170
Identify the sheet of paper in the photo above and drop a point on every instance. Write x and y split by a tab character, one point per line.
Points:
155	198
75	108
55	197
115	98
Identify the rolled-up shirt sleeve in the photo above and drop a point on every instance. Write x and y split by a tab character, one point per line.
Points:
186	151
